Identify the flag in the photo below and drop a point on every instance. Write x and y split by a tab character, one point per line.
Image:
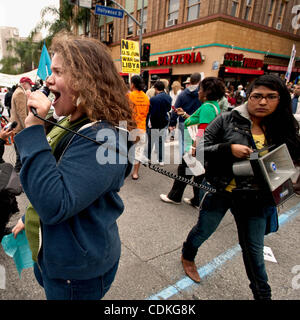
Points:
44	65
290	67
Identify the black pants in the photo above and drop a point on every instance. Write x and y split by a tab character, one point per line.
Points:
178	188
9	206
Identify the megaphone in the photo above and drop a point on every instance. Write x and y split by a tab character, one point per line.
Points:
272	171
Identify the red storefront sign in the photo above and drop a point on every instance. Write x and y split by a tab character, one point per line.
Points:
280	68
180	59
238	60
243	71
159	71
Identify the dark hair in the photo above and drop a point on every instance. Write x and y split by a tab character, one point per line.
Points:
159	85
195	78
280	126
214	88
138	82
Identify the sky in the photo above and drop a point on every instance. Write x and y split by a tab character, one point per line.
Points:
22	14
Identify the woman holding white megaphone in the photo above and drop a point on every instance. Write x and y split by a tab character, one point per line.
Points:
265	119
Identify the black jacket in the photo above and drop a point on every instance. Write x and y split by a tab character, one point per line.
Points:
228	128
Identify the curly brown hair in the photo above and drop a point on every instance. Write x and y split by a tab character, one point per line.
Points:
94	79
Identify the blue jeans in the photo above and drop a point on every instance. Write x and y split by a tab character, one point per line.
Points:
251	226
91	289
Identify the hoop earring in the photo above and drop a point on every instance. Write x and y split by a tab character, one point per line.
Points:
78	101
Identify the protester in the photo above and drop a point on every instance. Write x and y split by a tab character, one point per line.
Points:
187	82
211	90
151	91
240	95
19	111
188	100
71	184
296	102
158	122
175	91
232	137
141	109
7	99
8	202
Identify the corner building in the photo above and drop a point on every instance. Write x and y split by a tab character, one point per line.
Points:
236	40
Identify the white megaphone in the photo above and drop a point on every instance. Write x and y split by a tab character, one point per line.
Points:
274	170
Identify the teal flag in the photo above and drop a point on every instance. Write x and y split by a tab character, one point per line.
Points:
44	66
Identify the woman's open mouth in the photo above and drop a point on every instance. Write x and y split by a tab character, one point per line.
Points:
57	96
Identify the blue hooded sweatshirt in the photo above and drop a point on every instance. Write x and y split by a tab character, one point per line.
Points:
187	100
76	199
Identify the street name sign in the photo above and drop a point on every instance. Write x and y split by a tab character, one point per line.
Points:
108	11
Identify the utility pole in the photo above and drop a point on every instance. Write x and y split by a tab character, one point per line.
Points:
140	24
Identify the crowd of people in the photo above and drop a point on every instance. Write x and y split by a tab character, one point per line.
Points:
70	222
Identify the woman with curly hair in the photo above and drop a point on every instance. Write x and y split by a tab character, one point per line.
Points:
73	187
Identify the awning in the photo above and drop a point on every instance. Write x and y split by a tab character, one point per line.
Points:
243	71
159	71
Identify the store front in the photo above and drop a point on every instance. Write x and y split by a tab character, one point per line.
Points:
237	69
281	71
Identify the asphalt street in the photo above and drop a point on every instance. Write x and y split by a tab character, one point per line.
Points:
152	233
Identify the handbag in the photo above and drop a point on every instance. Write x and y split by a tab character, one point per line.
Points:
193	129
9	179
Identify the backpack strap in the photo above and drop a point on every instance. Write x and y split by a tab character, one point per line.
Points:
216	109
64	141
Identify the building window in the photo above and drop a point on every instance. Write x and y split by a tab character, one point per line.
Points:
102	34
280	15
248	11
129	26
173	9
110	28
270	13
193	10
234	8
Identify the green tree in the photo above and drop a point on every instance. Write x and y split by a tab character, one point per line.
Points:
9	65
23	56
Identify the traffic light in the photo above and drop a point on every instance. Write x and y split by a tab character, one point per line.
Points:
145	76
146	52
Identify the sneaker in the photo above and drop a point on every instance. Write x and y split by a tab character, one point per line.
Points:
188	201
161	163
164	198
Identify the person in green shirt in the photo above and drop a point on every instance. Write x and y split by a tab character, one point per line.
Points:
210	91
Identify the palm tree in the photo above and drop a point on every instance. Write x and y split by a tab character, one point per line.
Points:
63	20
23	56
9	65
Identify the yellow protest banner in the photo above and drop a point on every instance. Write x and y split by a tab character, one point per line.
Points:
130	56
